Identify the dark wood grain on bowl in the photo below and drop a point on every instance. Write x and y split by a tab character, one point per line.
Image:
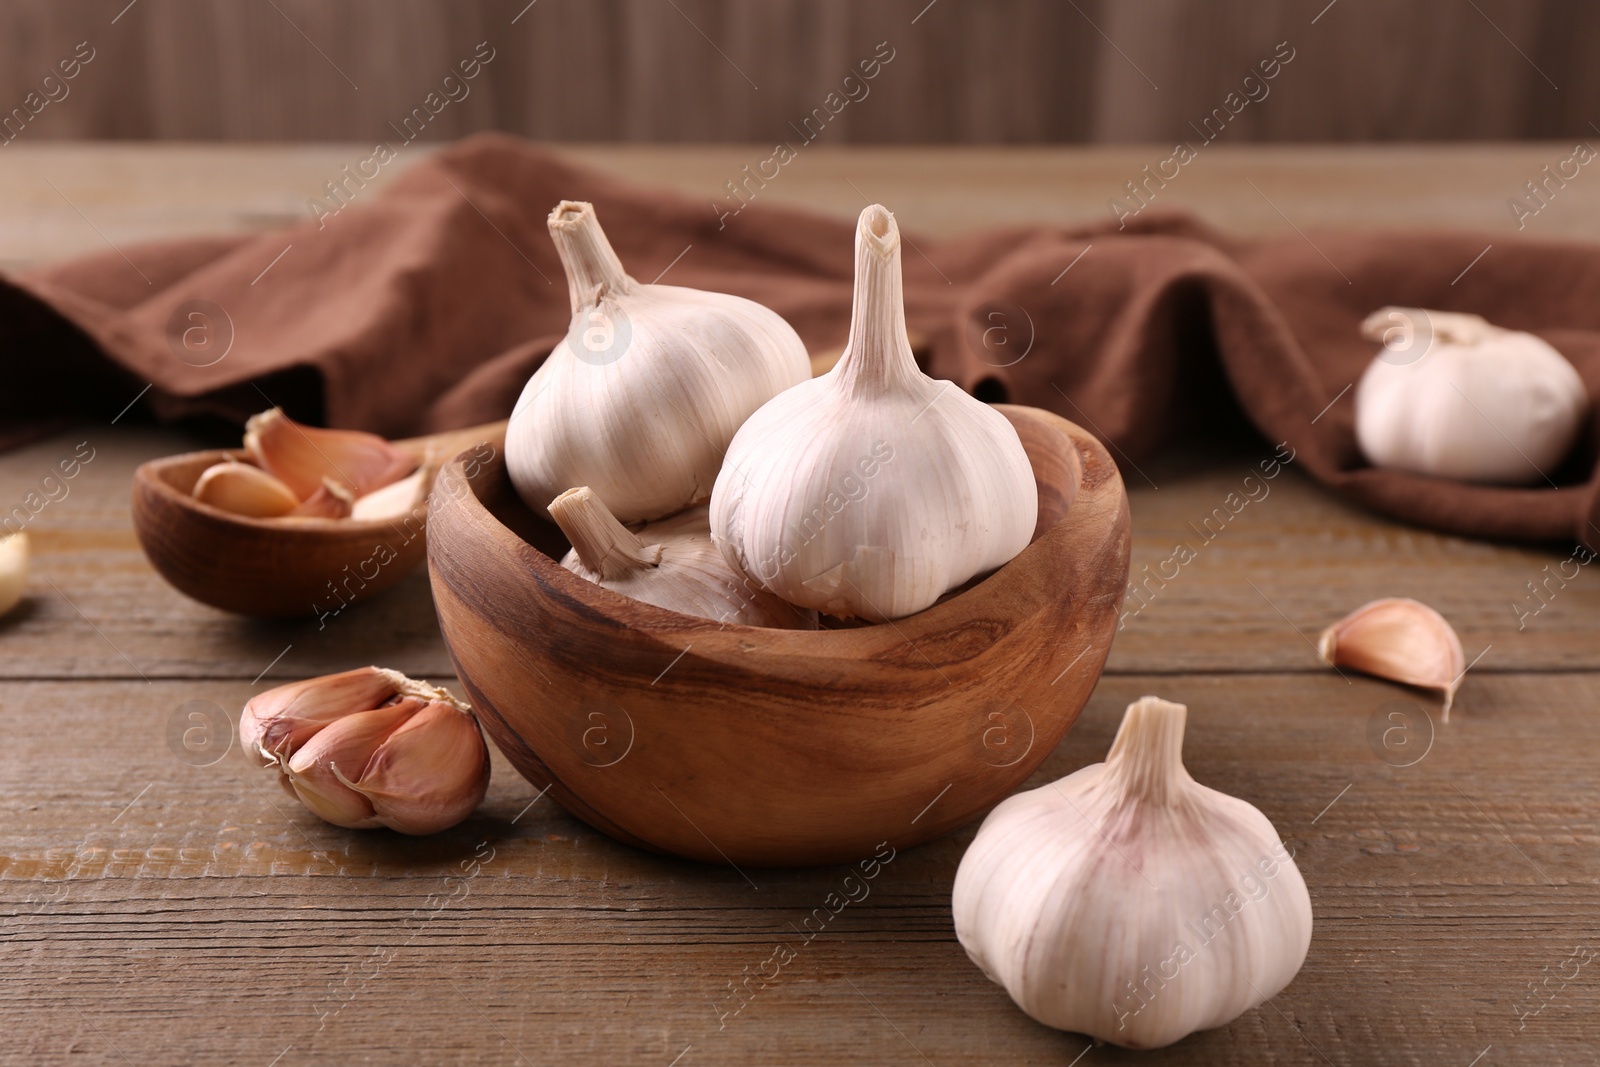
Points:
744	745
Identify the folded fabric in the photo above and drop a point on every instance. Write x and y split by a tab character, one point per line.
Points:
428	307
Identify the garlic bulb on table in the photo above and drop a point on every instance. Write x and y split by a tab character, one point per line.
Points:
1455	396
1127	901
670	563
642	397
874	489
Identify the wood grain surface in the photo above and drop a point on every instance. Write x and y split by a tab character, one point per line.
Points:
976	71
162	902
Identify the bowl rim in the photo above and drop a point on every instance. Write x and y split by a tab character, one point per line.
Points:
715	640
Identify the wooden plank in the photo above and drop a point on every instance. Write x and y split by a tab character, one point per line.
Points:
1018	70
132	193
1254	598
147	901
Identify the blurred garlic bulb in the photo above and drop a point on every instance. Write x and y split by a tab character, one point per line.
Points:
1127	901
13	570
642	397
874	489
371	747
670	563
1455	396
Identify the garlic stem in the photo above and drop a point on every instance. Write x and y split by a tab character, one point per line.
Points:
593	269
605	546
878	354
1146	757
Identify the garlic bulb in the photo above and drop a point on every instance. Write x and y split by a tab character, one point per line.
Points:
1127	901
874	489
671	564
642	397
371	747
1400	639
1455	396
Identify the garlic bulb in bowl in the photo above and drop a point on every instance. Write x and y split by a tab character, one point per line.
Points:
641	398
670	563
1127	901
873	490
1457	397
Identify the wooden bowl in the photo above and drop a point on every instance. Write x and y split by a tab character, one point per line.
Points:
271	568
751	746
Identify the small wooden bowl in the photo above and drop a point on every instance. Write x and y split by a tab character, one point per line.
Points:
272	568
750	746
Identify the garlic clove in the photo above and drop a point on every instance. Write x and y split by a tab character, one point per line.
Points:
340	753
671	563
395	499
276	723
371	747
13	570
1399	639
244	489
430	773
304	457
641	398
874	489
1127	901
331	501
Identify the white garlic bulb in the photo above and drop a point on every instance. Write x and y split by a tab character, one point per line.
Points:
1127	901
670	563
1455	396
643	395
872	490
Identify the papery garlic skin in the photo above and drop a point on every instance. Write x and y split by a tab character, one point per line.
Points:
641	398
305	457
670	563
371	747
873	490
1127	901
1457	397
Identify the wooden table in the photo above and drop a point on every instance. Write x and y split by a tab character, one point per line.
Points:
163	906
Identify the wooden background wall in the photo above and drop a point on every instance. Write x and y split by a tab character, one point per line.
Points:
742	70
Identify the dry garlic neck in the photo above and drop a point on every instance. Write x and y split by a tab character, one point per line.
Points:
607	549
877	359
594	272
1146	759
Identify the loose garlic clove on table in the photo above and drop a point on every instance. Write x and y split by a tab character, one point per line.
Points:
371	747
1400	639
13	570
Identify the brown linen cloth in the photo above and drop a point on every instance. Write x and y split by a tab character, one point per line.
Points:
427	306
